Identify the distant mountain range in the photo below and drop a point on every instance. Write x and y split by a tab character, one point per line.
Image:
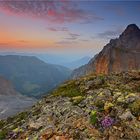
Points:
121	54
48	58
62	60
30	75
77	63
12	102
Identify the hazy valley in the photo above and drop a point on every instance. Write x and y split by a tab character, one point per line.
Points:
31	76
12	102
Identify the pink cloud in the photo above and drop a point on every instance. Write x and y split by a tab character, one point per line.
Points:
52	29
59	11
71	35
22	41
55	29
74	34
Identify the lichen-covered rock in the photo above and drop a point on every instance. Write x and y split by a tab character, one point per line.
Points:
108	106
127	115
135	107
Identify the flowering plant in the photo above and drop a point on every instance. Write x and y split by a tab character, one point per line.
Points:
107	122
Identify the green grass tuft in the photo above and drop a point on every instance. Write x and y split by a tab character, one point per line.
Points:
93	117
68	90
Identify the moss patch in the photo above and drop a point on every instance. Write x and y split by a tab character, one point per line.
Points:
3	134
135	107
68	90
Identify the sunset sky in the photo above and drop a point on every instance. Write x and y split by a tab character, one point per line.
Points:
63	27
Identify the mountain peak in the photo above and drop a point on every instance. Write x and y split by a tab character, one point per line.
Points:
120	54
131	30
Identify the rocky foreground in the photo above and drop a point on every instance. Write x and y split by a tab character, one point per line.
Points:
90	108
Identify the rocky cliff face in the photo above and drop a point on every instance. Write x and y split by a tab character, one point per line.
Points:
118	55
103	107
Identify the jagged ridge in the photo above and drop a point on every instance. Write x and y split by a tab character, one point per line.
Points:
121	54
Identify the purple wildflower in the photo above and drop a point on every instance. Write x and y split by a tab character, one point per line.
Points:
107	122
